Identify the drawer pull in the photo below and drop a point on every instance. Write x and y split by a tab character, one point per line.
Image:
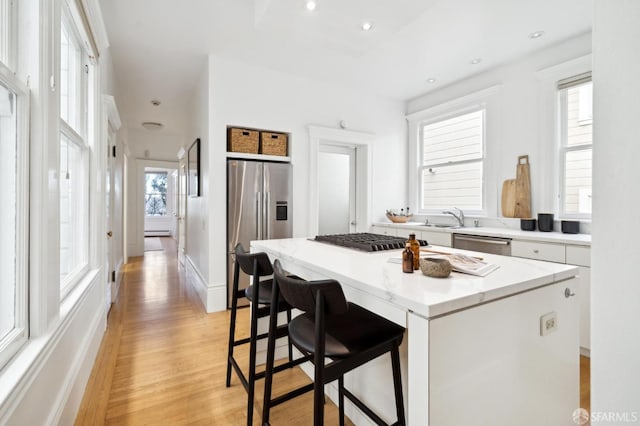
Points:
536	251
568	293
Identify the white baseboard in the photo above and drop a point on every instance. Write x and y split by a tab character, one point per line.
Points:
213	297
157	233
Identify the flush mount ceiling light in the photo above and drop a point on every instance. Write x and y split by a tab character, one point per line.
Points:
475	61
155	102
431	80
536	34
311	5
152	125
366	26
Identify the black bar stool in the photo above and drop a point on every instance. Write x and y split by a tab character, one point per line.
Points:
257	265
330	327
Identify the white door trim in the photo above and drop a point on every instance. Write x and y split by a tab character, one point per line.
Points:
363	143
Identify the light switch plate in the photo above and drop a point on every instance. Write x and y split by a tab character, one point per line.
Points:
548	323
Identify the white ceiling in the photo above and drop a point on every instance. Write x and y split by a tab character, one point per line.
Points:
159	47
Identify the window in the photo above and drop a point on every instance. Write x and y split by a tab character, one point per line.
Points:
14	214
155	197
74	155
451	171
6	29
576	142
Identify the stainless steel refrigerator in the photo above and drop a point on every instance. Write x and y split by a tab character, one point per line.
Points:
258	207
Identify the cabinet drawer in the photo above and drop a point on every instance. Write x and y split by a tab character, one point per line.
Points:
579	255
437	238
539	251
383	230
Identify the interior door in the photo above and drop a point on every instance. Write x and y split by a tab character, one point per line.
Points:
336	189
110	253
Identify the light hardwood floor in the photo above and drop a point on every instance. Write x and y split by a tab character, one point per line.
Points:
163	359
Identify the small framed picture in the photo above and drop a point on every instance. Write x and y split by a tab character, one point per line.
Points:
193	169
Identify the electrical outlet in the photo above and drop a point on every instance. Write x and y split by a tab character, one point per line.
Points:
548	323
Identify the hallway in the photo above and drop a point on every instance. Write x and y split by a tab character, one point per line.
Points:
162	358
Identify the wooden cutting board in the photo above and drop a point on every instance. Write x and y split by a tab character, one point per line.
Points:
523	188
509	198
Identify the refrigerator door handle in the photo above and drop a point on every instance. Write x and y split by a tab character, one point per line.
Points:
258	214
267	217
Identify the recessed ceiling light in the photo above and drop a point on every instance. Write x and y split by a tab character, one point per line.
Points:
311	5
431	80
152	125
155	102
536	34
366	26
476	61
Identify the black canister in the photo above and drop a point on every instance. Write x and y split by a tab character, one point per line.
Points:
528	224
570	226
545	222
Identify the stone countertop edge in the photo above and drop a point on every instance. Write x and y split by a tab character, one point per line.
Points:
552	237
425	296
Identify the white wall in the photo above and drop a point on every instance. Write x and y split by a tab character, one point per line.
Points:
615	306
197	238
520	119
246	95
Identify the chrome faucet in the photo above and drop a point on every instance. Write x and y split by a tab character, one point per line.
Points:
459	217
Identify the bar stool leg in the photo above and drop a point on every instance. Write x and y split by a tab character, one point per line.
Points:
232	326
252	344
289	344
271	349
341	399
397	384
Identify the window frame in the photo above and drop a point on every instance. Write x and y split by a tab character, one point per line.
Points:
166	193
563	149
10	29
12	343
469	109
80	139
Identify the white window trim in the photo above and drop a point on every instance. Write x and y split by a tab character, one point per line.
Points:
20	334
562	151
10	34
469	103
550	123
80	138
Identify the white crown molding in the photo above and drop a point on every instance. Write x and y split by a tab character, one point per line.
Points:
94	16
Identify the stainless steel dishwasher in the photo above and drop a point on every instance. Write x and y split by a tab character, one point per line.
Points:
495	245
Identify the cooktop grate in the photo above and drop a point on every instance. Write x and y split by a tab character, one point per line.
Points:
366	241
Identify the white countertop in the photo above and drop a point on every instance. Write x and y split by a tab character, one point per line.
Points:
428	297
553	237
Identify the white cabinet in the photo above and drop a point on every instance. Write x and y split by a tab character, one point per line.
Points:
437	238
383	230
491	358
539	251
579	255
585	309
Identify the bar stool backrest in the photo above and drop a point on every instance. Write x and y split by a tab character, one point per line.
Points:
303	294
245	260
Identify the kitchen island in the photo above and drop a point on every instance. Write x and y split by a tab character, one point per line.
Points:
496	350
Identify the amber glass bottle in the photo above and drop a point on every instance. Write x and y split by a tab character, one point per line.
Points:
407	259
415	248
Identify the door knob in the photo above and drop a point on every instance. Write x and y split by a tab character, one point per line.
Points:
109	234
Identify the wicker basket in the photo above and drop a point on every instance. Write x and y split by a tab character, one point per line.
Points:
243	140
273	143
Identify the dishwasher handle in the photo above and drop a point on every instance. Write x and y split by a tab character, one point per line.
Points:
483	240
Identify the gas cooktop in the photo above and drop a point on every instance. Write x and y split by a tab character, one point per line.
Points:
366	242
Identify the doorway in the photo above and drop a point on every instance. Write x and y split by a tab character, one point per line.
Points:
336	189
160	208
351	150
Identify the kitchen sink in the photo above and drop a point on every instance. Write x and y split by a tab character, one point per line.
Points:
441	225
